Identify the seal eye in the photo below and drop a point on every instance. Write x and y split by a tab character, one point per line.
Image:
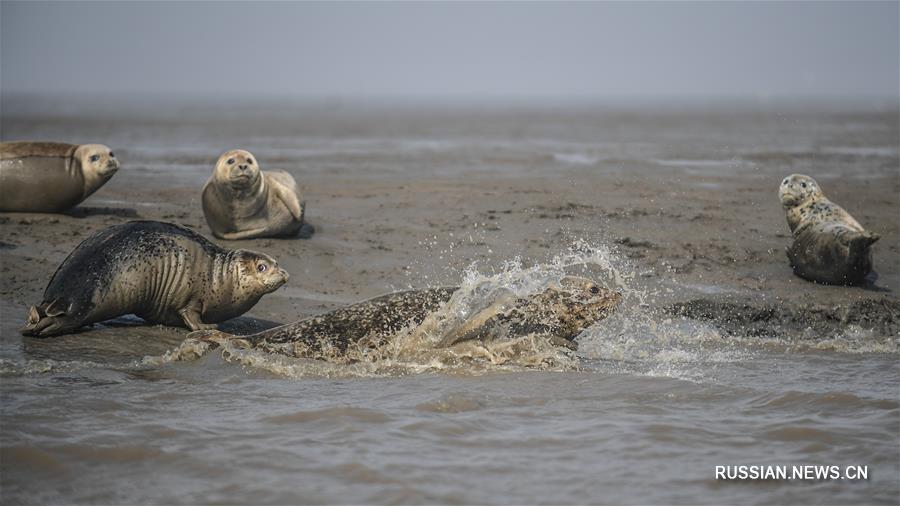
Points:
261	267
595	290
230	161
112	155
250	161
94	158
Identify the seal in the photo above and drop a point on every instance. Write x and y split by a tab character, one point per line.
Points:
559	313
242	202
51	177
830	246
159	271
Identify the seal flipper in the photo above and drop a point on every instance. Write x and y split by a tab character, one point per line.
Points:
48	319
862	240
211	336
34	316
57	308
290	201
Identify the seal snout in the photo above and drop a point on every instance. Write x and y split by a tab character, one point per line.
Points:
112	166
277	279
608	300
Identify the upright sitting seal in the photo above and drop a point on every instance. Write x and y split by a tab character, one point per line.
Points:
242	202
558	313
829	245
50	177
158	271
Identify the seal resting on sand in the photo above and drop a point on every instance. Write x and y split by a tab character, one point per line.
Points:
158	271
559	313
51	177
830	246
242	202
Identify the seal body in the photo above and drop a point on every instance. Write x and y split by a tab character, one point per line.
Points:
50	177
829	246
559	313
158	271
242	202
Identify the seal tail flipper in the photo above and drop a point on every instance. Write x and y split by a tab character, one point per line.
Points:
32	322
859	242
46	319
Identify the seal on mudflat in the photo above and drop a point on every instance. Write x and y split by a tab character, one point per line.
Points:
558	313
242	202
50	177
158	271
830	246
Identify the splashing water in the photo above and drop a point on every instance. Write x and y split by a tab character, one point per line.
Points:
415	349
638	338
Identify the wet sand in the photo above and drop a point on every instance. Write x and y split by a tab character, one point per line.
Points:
393	211
718	356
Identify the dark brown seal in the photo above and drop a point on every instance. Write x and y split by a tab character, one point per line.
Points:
50	177
159	271
829	246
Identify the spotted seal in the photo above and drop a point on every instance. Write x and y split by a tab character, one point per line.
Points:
159	271
830	246
242	202
559	313
51	177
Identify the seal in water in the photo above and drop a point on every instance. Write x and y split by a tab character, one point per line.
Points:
158	271
829	245
50	177
559	313
242	202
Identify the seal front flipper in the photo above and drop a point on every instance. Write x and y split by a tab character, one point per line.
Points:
191	317
244	234
211	336
290	200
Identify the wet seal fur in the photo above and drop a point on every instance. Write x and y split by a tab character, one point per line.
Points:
51	177
830	246
240	201
558	313
159	271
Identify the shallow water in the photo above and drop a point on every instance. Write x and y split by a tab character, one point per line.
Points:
643	414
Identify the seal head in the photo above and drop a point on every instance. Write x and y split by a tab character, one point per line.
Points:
238	169
560	312
98	165
260	273
796	189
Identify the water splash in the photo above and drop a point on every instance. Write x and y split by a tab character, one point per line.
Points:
636	339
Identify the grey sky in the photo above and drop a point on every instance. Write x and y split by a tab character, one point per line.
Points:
459	49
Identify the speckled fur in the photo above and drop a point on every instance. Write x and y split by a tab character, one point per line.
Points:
559	313
51	177
829	246
158	271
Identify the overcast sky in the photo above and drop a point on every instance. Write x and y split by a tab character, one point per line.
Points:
765	49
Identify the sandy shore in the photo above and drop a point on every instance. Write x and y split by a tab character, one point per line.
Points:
684	231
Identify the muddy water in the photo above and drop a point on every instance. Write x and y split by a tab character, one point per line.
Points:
664	208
